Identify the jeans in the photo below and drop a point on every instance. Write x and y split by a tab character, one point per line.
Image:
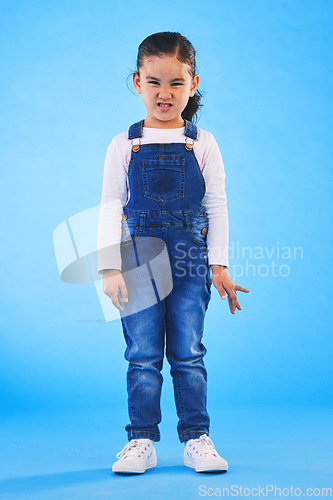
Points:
176	323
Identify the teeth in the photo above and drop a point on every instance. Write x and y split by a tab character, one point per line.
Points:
164	105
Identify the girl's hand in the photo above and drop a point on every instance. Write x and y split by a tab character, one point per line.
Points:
113	283
224	283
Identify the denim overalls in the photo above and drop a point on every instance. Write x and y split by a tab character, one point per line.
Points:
166	190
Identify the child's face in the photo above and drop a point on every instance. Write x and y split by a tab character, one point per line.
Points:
165	80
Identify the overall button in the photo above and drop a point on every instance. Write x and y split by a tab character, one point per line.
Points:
198	234
125	217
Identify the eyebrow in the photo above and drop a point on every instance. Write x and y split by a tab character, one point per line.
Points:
154	78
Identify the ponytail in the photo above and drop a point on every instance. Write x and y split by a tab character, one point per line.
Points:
192	107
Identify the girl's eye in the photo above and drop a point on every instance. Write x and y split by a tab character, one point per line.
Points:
157	83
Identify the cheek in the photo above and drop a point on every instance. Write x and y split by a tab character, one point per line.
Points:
185	93
149	94
146	97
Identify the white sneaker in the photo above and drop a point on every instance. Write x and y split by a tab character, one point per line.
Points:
200	454
137	456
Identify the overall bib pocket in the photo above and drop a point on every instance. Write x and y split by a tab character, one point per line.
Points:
164	179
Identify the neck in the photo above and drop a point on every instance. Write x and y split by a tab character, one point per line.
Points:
148	123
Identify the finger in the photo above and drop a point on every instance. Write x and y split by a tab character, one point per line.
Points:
236	303
241	289
123	292
115	302
233	302
231	307
222	293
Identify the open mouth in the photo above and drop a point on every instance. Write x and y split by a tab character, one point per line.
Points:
164	105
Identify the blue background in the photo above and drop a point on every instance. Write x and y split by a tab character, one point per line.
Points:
265	73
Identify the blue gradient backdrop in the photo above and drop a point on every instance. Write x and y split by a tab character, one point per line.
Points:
266	77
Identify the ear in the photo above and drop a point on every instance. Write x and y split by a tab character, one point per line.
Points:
136	82
194	85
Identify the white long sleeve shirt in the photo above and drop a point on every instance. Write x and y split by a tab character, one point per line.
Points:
116	193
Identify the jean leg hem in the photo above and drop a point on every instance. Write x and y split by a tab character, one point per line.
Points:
143	435
185	436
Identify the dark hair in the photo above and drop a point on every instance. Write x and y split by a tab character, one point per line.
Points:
172	43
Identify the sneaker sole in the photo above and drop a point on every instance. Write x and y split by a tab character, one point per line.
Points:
136	470
189	462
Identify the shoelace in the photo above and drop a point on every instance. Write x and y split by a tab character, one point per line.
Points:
131	449
205	445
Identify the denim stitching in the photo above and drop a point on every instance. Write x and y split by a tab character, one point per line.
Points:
144	432
201	174
203	241
126	355
179	394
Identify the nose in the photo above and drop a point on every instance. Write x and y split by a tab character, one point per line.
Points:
164	93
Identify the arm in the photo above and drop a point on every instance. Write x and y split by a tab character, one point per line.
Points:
114	196
215	202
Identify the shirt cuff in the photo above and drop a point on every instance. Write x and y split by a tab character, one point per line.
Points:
109	258
218	256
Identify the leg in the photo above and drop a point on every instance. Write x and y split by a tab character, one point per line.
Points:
186	307
143	322
144	336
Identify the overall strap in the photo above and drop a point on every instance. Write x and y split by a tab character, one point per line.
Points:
191	130
135	131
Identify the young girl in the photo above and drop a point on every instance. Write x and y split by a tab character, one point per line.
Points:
164	178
